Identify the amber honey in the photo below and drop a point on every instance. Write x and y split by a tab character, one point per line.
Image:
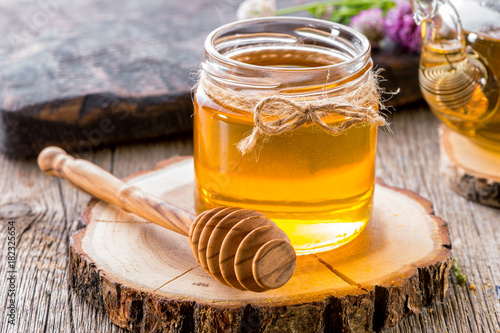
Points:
316	186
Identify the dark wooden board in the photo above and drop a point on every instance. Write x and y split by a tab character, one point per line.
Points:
85	73
82	74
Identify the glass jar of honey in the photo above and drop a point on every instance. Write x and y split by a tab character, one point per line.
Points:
263	143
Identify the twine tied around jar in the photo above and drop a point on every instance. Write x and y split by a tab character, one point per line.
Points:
278	114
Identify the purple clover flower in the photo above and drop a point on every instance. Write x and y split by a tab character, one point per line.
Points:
371	24
401	27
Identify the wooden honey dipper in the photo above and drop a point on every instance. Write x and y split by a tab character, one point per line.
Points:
238	247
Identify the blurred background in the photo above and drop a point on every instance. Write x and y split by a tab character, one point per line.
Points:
83	74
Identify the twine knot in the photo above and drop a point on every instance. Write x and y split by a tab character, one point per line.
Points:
292	115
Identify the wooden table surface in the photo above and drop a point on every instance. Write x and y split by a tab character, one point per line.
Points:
46	210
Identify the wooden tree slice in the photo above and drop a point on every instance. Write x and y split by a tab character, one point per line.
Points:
470	170
147	280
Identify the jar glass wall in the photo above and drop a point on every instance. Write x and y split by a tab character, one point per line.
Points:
317	186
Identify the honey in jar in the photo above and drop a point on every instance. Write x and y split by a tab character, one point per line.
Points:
317	186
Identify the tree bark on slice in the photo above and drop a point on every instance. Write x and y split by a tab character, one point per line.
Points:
146	279
470	170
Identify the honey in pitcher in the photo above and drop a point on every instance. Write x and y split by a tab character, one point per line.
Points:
459	80
317	187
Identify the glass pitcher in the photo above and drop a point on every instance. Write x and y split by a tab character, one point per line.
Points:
460	65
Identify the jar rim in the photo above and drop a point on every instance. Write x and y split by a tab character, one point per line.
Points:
211	50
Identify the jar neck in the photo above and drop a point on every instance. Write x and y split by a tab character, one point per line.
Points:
287	55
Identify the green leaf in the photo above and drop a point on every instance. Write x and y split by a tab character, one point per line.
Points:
343	10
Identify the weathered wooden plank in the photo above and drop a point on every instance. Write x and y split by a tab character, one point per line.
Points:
35	205
409	158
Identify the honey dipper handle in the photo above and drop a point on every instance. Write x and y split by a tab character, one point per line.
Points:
89	178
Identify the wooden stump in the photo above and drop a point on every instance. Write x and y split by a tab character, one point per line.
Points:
470	170
147	280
